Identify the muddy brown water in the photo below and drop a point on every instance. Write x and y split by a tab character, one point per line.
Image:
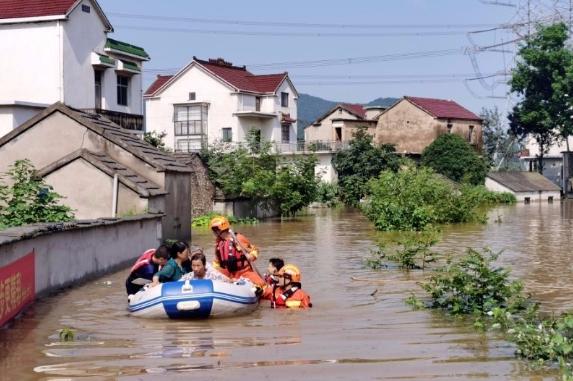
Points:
356	331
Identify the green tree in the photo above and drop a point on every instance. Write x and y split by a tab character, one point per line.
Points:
360	162
253	171
156	139
451	156
29	199
500	145
543	80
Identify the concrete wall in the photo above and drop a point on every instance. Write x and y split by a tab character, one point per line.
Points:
411	130
97	202
202	189
82	250
11	116
539	196
324	168
244	209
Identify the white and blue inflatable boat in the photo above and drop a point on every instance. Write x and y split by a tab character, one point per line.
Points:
195	299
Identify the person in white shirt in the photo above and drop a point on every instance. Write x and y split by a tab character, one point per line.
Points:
202	270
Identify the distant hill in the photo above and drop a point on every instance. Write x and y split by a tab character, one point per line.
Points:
310	108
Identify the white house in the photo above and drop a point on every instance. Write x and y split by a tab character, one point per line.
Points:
209	101
526	186
552	160
58	51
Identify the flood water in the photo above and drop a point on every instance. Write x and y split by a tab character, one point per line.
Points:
357	330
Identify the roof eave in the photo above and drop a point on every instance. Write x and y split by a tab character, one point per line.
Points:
21	20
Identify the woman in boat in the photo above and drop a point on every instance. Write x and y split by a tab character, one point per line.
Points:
173	270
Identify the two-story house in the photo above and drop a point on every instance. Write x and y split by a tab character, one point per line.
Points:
212	100
58	51
336	127
413	123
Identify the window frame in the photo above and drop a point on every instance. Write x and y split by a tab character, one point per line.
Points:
121	87
285	128
227	134
284	99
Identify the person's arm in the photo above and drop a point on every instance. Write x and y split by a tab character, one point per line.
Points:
251	250
165	274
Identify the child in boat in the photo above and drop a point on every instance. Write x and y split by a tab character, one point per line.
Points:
201	269
173	270
146	266
288	290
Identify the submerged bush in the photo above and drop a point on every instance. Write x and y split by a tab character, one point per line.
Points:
415	198
203	220
327	194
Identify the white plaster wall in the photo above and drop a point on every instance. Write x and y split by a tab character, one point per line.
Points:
6	120
554	150
324	168
83	34
494	186
222	105
30	64
292	108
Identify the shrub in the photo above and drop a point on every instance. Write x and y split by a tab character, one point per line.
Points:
415	198
482	196
29	199
451	156
327	194
360	162
203	220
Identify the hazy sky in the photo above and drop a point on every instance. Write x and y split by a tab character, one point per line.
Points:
410	47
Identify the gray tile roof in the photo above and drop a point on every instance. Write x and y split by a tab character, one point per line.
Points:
524	181
135	182
131	142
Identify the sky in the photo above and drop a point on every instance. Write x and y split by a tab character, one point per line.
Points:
366	49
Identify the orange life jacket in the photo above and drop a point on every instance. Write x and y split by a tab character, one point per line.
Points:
230	255
143	260
294	297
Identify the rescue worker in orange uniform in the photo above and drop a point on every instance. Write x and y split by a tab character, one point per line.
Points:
234	253
288	292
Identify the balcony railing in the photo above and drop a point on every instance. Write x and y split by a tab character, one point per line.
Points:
319	146
125	120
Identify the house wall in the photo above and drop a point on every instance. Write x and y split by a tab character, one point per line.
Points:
555	150
349	128
325	130
324	168
30	69
13	116
537	196
292	110
411	130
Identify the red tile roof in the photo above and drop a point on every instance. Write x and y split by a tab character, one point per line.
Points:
241	78
12	9
443	109
159	81
355	109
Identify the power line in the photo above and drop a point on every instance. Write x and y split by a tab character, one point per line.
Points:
291	34
283	24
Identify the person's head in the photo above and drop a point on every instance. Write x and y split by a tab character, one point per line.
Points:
198	264
275	264
161	255
180	250
289	275
220	226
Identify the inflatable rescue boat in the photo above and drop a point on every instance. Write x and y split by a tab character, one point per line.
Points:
194	299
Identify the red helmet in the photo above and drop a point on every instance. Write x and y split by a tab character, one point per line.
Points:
220	223
290	272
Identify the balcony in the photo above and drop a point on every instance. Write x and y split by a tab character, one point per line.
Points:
128	121
321	146
254	114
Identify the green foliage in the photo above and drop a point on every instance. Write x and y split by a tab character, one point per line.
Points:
253	172
480	195
472	285
203	220
29	199
327	194
542	81
360	162
67	334
414	302
413	250
415	198
500	146
453	157
156	139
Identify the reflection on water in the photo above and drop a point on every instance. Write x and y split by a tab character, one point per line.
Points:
359	329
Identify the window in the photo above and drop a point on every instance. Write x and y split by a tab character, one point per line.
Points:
86	8
471	134
284	99
190	120
227	134
188	145
258	104
122	90
192	96
449	126
285	133
97	81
